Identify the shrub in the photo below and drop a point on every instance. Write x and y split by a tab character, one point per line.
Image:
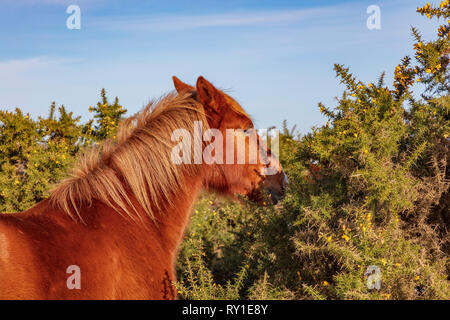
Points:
35	154
370	188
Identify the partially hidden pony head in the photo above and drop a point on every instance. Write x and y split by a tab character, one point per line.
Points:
136	173
247	166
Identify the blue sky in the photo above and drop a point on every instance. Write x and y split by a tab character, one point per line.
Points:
275	57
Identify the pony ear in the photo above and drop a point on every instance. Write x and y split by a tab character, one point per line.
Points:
208	95
213	101
181	86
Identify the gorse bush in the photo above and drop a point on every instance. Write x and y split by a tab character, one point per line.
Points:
35	154
106	116
370	188
368	191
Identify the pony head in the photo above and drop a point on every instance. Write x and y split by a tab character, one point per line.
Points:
245	166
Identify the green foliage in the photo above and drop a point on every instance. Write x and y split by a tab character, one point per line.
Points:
106	116
35	154
368	188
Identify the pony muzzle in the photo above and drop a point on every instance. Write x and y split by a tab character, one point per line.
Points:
276	187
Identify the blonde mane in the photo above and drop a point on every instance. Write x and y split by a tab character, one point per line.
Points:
137	166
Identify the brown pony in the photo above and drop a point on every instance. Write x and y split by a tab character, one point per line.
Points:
112	229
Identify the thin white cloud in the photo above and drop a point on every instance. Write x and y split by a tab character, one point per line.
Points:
174	23
15	66
45	2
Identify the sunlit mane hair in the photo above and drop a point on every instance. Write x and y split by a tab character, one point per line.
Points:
137	166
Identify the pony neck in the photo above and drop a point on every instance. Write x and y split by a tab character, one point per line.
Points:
172	222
